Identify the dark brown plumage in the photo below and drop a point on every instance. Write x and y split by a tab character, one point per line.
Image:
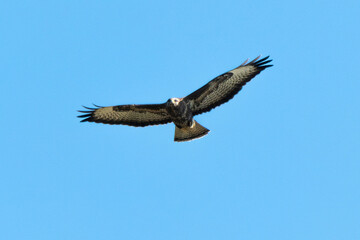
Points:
181	110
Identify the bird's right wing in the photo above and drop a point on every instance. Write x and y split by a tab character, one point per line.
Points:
132	115
225	87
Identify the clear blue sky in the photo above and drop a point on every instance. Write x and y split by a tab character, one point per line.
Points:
282	160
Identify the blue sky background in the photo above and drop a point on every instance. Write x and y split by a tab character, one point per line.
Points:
282	160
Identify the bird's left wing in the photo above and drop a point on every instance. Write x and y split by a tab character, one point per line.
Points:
132	115
225	87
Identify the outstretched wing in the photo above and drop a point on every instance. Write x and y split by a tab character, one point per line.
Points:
132	115
226	86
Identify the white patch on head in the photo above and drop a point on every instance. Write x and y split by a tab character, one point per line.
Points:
175	101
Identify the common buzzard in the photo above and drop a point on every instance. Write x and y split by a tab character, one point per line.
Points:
181	111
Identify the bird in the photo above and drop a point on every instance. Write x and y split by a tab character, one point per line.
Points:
181	111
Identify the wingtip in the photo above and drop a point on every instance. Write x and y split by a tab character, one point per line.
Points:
90	108
255	59
84	120
261	63
97	106
244	62
84	115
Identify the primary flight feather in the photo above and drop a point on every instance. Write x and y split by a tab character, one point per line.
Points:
181	111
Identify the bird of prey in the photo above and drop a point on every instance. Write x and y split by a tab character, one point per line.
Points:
181	111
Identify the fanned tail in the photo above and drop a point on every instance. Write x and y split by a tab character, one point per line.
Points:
190	133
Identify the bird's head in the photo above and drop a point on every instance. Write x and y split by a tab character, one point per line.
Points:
174	101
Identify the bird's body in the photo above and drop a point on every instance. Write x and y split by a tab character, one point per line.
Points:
181	111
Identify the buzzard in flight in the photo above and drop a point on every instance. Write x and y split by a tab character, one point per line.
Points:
181	111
